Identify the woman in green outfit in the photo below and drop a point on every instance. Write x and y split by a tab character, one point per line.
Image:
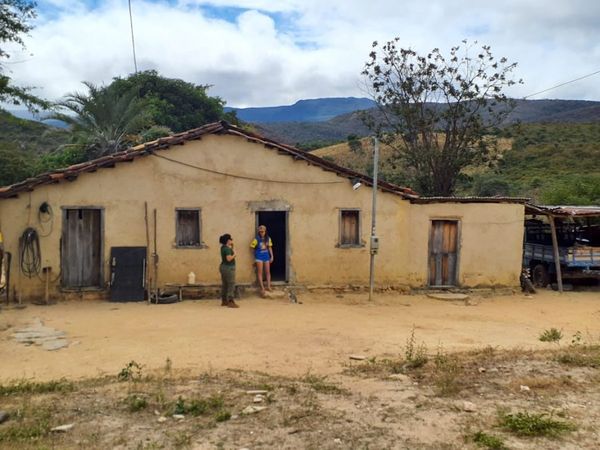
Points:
227	269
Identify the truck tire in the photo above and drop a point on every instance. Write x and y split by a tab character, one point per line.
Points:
540	276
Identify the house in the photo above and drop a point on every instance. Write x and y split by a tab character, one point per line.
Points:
177	195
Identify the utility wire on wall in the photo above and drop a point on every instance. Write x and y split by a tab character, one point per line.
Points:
132	38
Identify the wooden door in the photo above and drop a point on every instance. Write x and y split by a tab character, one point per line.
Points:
443	253
128	273
81	252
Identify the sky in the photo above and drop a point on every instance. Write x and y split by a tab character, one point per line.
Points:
276	52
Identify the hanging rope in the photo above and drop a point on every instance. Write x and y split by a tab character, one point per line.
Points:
29	253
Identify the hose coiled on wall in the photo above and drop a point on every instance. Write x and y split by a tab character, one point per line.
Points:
29	253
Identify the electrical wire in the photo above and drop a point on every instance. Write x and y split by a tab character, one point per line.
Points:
43	221
243	177
29	253
563	84
132	38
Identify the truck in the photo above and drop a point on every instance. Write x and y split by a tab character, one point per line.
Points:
578	250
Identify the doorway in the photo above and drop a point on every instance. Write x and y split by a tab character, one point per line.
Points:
443	253
81	248
276	223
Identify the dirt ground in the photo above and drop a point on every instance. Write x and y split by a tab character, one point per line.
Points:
279	337
468	366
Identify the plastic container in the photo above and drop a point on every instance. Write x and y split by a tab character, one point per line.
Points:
191	278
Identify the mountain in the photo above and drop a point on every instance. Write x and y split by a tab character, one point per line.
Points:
311	134
314	110
27	115
29	135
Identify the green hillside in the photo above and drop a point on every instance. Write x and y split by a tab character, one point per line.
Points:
26	147
550	163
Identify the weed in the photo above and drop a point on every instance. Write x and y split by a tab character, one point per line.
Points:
488	441
551	335
198	407
131	372
33	387
136	402
319	384
447	373
577	338
533	424
415	355
580	356
222	416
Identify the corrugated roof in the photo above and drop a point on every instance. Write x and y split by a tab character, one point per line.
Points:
422	200
566	211
72	172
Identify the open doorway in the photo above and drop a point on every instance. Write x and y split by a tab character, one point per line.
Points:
276	223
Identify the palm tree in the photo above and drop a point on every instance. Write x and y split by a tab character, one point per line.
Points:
103	121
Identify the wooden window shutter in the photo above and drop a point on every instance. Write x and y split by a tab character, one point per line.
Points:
188	228
349	233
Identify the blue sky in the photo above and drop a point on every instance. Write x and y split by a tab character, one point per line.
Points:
266	52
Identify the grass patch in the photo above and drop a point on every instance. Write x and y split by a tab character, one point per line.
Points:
20	387
415	354
485	440
580	356
533	424
31	423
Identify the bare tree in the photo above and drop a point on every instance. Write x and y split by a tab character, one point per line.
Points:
437	112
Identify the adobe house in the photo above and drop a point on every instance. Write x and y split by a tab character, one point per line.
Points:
177	195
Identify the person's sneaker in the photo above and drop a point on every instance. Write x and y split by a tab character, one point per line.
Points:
232	304
224	303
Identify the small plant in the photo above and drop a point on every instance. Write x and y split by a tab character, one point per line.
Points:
131	372
488	441
198	407
526	424
447	373
551	335
320	384
415	355
577	338
136	403
222	416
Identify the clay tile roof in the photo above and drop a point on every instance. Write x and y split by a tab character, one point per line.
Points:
72	172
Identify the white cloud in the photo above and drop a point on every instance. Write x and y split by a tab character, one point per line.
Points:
276	52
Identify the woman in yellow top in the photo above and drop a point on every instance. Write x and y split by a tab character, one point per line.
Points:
263	257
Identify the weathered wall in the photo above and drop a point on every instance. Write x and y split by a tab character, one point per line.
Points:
227	206
490	236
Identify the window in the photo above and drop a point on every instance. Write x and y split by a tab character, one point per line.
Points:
350	227
187	227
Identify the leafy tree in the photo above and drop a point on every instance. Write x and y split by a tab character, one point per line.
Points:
14	22
354	143
173	103
435	111
15	165
104	120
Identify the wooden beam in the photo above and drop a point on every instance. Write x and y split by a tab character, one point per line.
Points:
556	253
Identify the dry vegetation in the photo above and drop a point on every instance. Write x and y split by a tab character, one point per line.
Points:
423	399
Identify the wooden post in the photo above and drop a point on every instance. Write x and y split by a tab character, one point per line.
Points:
147	268
47	290
556	253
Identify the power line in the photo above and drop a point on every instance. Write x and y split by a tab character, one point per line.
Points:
563	84
132	38
243	177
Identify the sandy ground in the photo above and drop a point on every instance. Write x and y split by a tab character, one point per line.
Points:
278	337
